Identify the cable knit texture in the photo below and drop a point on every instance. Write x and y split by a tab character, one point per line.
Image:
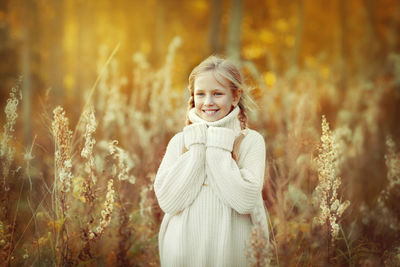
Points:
210	201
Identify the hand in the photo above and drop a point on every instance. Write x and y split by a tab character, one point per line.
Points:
220	137
195	133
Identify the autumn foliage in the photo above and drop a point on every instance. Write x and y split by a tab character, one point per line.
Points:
103	89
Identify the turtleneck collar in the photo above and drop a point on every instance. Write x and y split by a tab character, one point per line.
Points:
230	121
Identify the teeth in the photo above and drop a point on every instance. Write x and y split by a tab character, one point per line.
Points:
210	112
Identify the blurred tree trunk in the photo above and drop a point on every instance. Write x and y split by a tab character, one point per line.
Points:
55	66
28	12
159	36
233	44
86	51
394	27
295	58
8	53
80	13
3	26
343	44
376	47
215	27
393	41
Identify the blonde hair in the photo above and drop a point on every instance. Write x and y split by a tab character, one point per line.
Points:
222	69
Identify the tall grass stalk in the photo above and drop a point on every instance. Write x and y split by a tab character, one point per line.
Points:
89	98
62	173
105	213
331	209
7	153
87	154
392	161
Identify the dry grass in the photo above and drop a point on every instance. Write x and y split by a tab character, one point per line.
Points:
90	200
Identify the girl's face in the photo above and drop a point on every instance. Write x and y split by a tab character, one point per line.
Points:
213	100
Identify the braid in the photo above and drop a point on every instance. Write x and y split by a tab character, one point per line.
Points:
190	106
242	116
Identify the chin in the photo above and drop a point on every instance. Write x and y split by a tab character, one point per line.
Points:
208	118
211	118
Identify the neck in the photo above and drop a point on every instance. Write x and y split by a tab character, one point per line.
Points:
230	121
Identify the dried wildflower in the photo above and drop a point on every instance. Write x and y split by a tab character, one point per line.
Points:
343	136
382	211
258	248
144	200
114	111
11	109
87	151
382	214
392	160
5	238
63	138
173	46
6	151
329	182
79	188
140	60
125	163
105	213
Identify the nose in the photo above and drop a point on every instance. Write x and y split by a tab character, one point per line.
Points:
209	101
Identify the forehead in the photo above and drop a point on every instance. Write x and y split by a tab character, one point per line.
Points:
208	81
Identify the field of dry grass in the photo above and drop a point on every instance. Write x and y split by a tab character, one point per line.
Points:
82	193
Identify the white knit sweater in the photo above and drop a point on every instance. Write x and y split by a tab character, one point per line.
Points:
210	201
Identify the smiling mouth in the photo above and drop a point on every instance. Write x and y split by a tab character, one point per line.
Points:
210	111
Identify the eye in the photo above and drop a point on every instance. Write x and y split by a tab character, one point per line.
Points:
200	94
219	93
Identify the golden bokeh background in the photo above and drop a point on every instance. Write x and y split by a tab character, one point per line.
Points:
130	60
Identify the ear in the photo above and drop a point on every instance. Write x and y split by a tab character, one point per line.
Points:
236	97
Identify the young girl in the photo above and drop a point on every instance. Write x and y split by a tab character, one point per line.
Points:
210	180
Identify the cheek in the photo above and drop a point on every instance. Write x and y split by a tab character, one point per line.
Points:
227	102
197	103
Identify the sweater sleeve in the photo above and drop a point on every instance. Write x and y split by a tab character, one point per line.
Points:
238	187
180	176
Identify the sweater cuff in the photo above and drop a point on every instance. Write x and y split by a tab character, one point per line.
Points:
194	134
220	137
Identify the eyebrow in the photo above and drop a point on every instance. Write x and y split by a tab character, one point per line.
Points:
216	89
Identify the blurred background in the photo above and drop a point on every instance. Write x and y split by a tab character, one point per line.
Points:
58	44
131	60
